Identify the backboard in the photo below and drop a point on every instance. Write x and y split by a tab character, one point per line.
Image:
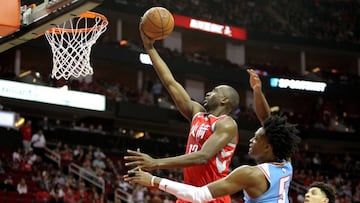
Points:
38	18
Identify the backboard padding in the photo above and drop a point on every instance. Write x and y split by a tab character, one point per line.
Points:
38	27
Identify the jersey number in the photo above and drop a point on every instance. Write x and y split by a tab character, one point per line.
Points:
282	189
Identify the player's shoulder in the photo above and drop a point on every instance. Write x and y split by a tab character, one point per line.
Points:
251	172
227	121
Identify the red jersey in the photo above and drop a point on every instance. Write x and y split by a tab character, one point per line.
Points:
202	127
26	132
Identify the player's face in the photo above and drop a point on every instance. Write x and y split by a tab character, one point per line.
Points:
213	98
315	195
257	144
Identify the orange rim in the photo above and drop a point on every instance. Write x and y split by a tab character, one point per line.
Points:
87	14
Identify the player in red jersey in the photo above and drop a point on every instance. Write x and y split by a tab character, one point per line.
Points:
213	134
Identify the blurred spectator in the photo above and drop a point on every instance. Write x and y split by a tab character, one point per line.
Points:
45	182
70	196
139	194
36	178
42	195
300	198
356	196
38	143
83	196
29	160
8	184
316	161
17	159
26	131
156	90
59	178
66	153
78	153
99	153
2	170
57	194
167	199
44	124
22	187
98	197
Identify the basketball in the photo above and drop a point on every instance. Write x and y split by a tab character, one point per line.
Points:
157	23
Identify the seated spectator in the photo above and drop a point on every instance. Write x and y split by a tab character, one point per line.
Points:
29	160
57	193
78	153
70	181
139	193
45	182
99	153
83	196
81	184
2	169
123	185
22	187
66	153
36	177
70	196
87	163
111	166
59	178
98	162
167	199
98	197
8	184
42	195
17	159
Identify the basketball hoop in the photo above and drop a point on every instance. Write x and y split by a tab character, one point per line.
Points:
71	44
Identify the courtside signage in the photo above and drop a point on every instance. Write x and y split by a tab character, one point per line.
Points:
205	26
51	95
297	84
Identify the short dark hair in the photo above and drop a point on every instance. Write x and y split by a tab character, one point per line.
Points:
282	136
328	189
232	95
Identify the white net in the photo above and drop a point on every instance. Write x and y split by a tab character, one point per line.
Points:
71	44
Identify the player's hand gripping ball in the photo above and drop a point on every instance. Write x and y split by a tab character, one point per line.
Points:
157	23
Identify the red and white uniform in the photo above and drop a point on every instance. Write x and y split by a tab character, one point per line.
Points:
202	127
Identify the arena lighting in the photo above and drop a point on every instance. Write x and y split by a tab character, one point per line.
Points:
19	122
205	26
7	119
51	95
138	135
145	59
297	84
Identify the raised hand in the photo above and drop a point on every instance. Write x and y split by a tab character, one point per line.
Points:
255	81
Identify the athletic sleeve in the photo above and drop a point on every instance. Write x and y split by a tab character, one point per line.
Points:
186	192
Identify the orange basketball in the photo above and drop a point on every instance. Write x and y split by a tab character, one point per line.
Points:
157	23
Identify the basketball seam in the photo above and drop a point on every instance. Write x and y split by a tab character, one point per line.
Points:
149	19
162	22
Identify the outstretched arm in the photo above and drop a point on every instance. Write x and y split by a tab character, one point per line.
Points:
244	177
225	132
262	108
181	98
